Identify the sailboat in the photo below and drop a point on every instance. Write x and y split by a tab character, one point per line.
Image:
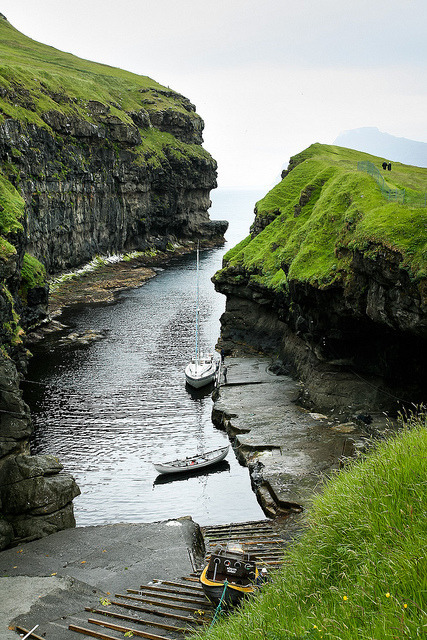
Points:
202	369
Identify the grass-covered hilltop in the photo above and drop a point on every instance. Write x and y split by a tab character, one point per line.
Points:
359	571
333	277
93	161
81	139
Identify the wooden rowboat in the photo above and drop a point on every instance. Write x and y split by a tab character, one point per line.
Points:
192	463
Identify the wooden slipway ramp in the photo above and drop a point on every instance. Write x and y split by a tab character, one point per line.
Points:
165	609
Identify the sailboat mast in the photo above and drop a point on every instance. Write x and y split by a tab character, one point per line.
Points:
197	304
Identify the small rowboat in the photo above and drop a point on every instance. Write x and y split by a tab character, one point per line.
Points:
192	463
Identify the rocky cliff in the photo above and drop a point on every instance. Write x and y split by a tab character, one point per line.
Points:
93	161
332	281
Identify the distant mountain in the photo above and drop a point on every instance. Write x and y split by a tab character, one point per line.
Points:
372	140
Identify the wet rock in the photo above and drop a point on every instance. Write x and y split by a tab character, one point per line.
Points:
35	496
84	338
288	451
347	427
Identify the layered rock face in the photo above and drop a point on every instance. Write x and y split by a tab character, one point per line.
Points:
347	356
87	192
358	338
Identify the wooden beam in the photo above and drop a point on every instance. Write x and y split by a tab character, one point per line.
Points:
122	629
149	623
90	632
158	603
20	629
176	584
175	598
191	579
157	612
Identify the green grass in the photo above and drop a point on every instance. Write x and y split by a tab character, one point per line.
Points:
61	81
33	274
39	78
360	569
11	207
325	209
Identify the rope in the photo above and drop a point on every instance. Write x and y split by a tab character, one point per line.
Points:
218	610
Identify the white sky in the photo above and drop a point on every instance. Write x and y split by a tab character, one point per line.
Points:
269	77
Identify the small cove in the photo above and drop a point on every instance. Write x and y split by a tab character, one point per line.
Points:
109	409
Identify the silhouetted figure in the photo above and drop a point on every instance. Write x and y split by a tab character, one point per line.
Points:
384	165
222	355
389	166
224	371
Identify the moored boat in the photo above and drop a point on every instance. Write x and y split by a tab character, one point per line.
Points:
230	576
192	463
202	369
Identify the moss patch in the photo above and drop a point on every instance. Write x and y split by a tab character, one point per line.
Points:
33	274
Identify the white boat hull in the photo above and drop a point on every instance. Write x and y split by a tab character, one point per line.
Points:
192	463
201	373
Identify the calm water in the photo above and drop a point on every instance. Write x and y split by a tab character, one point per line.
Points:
109	409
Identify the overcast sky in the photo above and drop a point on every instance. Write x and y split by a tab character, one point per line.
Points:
269	77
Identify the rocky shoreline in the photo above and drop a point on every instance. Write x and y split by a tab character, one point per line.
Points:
289	450
101	285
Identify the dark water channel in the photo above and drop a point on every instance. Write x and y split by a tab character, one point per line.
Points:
109	409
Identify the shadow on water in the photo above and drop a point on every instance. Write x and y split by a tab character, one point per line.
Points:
108	409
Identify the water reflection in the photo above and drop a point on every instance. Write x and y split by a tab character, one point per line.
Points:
108	409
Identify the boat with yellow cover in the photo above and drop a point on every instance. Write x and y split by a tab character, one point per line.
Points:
230	576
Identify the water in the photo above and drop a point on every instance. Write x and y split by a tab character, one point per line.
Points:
108	410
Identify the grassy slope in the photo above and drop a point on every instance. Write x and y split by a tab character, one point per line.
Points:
345	209
360	570
54	80
37	66
39	78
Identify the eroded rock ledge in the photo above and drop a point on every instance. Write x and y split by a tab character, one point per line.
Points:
289	451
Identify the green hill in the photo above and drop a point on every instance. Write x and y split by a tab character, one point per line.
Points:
324	209
36	78
39	85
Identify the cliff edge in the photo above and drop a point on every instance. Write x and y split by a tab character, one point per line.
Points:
332	280
93	161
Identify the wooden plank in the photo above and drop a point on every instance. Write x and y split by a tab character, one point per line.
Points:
158	603
90	632
176	584
242	533
175	598
148	623
163	614
248	523
122	629
248	542
20	629
191	579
